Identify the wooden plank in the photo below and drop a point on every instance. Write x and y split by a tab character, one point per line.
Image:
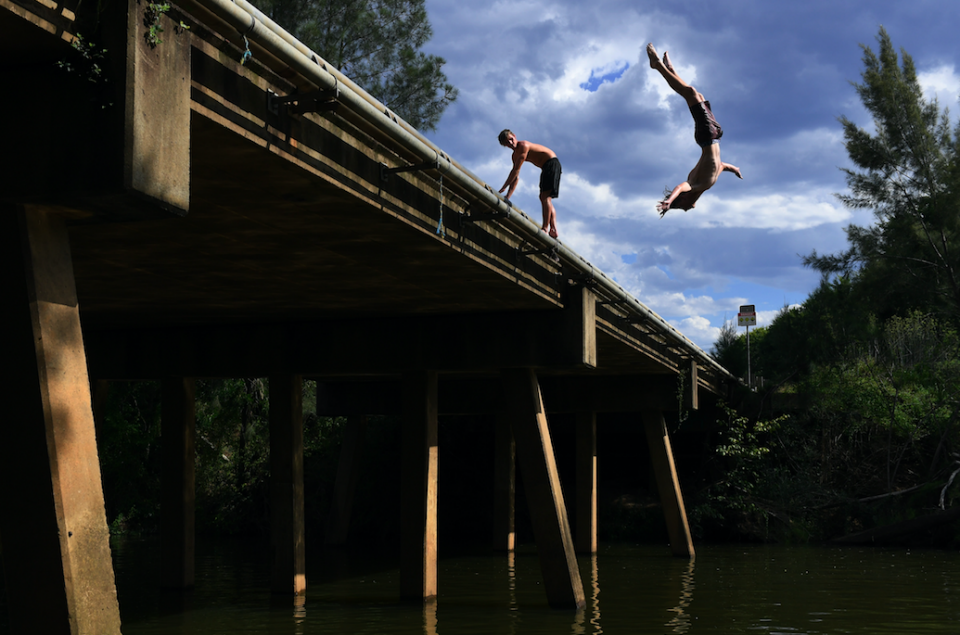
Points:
674	512
418	485
178	482
523	407
286	485
56	560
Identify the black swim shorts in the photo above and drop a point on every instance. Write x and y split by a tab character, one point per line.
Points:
706	130
550	177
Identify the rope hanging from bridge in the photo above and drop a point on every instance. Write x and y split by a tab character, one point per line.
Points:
247	54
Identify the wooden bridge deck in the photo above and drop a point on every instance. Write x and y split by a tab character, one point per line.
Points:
204	230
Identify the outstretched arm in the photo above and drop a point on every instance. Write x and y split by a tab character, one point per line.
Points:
677	191
731	168
513	179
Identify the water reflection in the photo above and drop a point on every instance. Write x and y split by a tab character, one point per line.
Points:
595	597
430	617
681	621
740	591
299	613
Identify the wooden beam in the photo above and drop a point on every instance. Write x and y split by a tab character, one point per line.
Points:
674	512
504	485
286	485
470	395
586	460
558	339
523	407
56	560
348	473
418	485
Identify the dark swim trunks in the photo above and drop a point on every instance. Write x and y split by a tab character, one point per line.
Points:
707	130
550	177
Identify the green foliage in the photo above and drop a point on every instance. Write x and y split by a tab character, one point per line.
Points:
907	173
832	320
151	20
90	59
377	44
732	498
128	440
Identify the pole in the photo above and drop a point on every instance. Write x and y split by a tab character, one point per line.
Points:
749	378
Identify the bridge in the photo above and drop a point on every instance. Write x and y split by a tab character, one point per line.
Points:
223	203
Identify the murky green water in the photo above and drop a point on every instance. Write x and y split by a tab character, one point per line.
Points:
728	590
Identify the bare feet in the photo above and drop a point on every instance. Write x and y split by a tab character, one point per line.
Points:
553	233
652	54
666	62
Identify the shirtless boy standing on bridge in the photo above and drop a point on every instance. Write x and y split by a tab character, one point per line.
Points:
545	159
707	134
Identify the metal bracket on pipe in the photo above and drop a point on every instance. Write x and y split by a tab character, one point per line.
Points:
385	172
317	101
552	250
479	218
587	280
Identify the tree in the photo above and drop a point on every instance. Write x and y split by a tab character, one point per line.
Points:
907	173
376	43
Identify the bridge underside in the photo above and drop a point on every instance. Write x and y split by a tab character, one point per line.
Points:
196	229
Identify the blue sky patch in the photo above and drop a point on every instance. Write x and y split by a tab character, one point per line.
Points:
629	259
595	80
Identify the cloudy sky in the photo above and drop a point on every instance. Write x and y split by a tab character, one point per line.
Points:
572	75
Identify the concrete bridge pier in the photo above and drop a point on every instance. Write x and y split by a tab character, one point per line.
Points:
418	487
661	455
52	522
504	485
287	531
178	482
586	483
348	473
523	408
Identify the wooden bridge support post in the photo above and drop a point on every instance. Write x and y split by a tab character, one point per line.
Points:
56	560
586	459
523	408
418	487
178	490
681	542
504	485
286	484
348	472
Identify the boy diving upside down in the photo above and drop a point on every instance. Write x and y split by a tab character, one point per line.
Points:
707	134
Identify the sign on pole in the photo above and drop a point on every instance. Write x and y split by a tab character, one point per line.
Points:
747	315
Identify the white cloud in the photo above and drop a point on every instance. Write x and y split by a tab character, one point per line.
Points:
941	83
778	77
698	329
780	212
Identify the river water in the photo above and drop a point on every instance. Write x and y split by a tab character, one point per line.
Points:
727	590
